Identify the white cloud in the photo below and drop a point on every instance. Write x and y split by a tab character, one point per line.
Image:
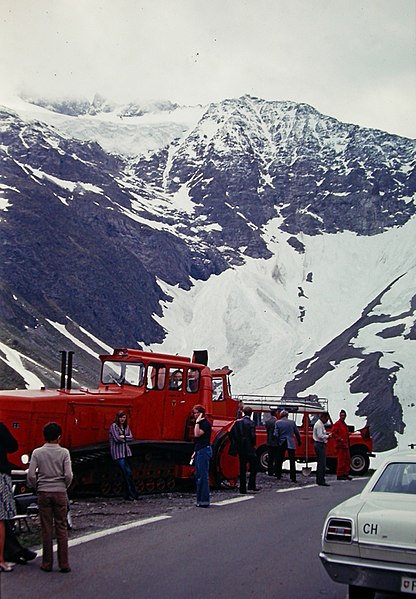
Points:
352	60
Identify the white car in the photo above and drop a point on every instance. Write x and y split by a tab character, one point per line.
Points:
369	541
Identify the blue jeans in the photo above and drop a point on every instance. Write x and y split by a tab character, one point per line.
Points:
130	491
202	459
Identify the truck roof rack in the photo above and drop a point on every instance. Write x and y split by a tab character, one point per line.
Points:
263	403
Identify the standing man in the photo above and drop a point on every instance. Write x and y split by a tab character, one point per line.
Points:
285	431
320	437
341	436
272	444
202	455
50	473
243	438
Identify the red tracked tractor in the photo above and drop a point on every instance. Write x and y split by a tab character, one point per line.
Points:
159	412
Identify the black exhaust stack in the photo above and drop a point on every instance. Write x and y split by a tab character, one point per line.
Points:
66	370
200	356
63	369
69	371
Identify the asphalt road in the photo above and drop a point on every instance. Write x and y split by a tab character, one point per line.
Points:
265	546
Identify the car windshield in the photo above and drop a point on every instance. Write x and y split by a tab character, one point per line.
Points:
397	477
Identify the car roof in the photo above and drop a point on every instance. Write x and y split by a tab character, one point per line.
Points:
401	456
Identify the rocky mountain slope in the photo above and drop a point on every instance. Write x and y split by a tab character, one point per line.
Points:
109	213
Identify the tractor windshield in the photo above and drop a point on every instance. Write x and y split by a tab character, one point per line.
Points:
123	373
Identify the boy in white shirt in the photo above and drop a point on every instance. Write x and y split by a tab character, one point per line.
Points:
50	473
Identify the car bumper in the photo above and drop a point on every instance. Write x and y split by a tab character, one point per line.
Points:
382	576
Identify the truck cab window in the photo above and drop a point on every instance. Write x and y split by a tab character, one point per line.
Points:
217	391
156	376
192	385
123	373
256	418
175	379
298	418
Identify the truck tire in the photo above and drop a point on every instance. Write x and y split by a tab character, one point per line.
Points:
218	477
263	458
360	462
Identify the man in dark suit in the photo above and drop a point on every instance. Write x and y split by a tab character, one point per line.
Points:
243	440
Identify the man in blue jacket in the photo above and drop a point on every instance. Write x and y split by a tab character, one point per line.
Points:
285	431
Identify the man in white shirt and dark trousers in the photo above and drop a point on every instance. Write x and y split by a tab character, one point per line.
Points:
50	473
320	437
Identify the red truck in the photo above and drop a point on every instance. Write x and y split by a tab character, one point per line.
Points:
305	411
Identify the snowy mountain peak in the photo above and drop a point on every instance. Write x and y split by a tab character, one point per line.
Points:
279	238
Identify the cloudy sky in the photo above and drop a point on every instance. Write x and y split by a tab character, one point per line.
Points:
354	60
